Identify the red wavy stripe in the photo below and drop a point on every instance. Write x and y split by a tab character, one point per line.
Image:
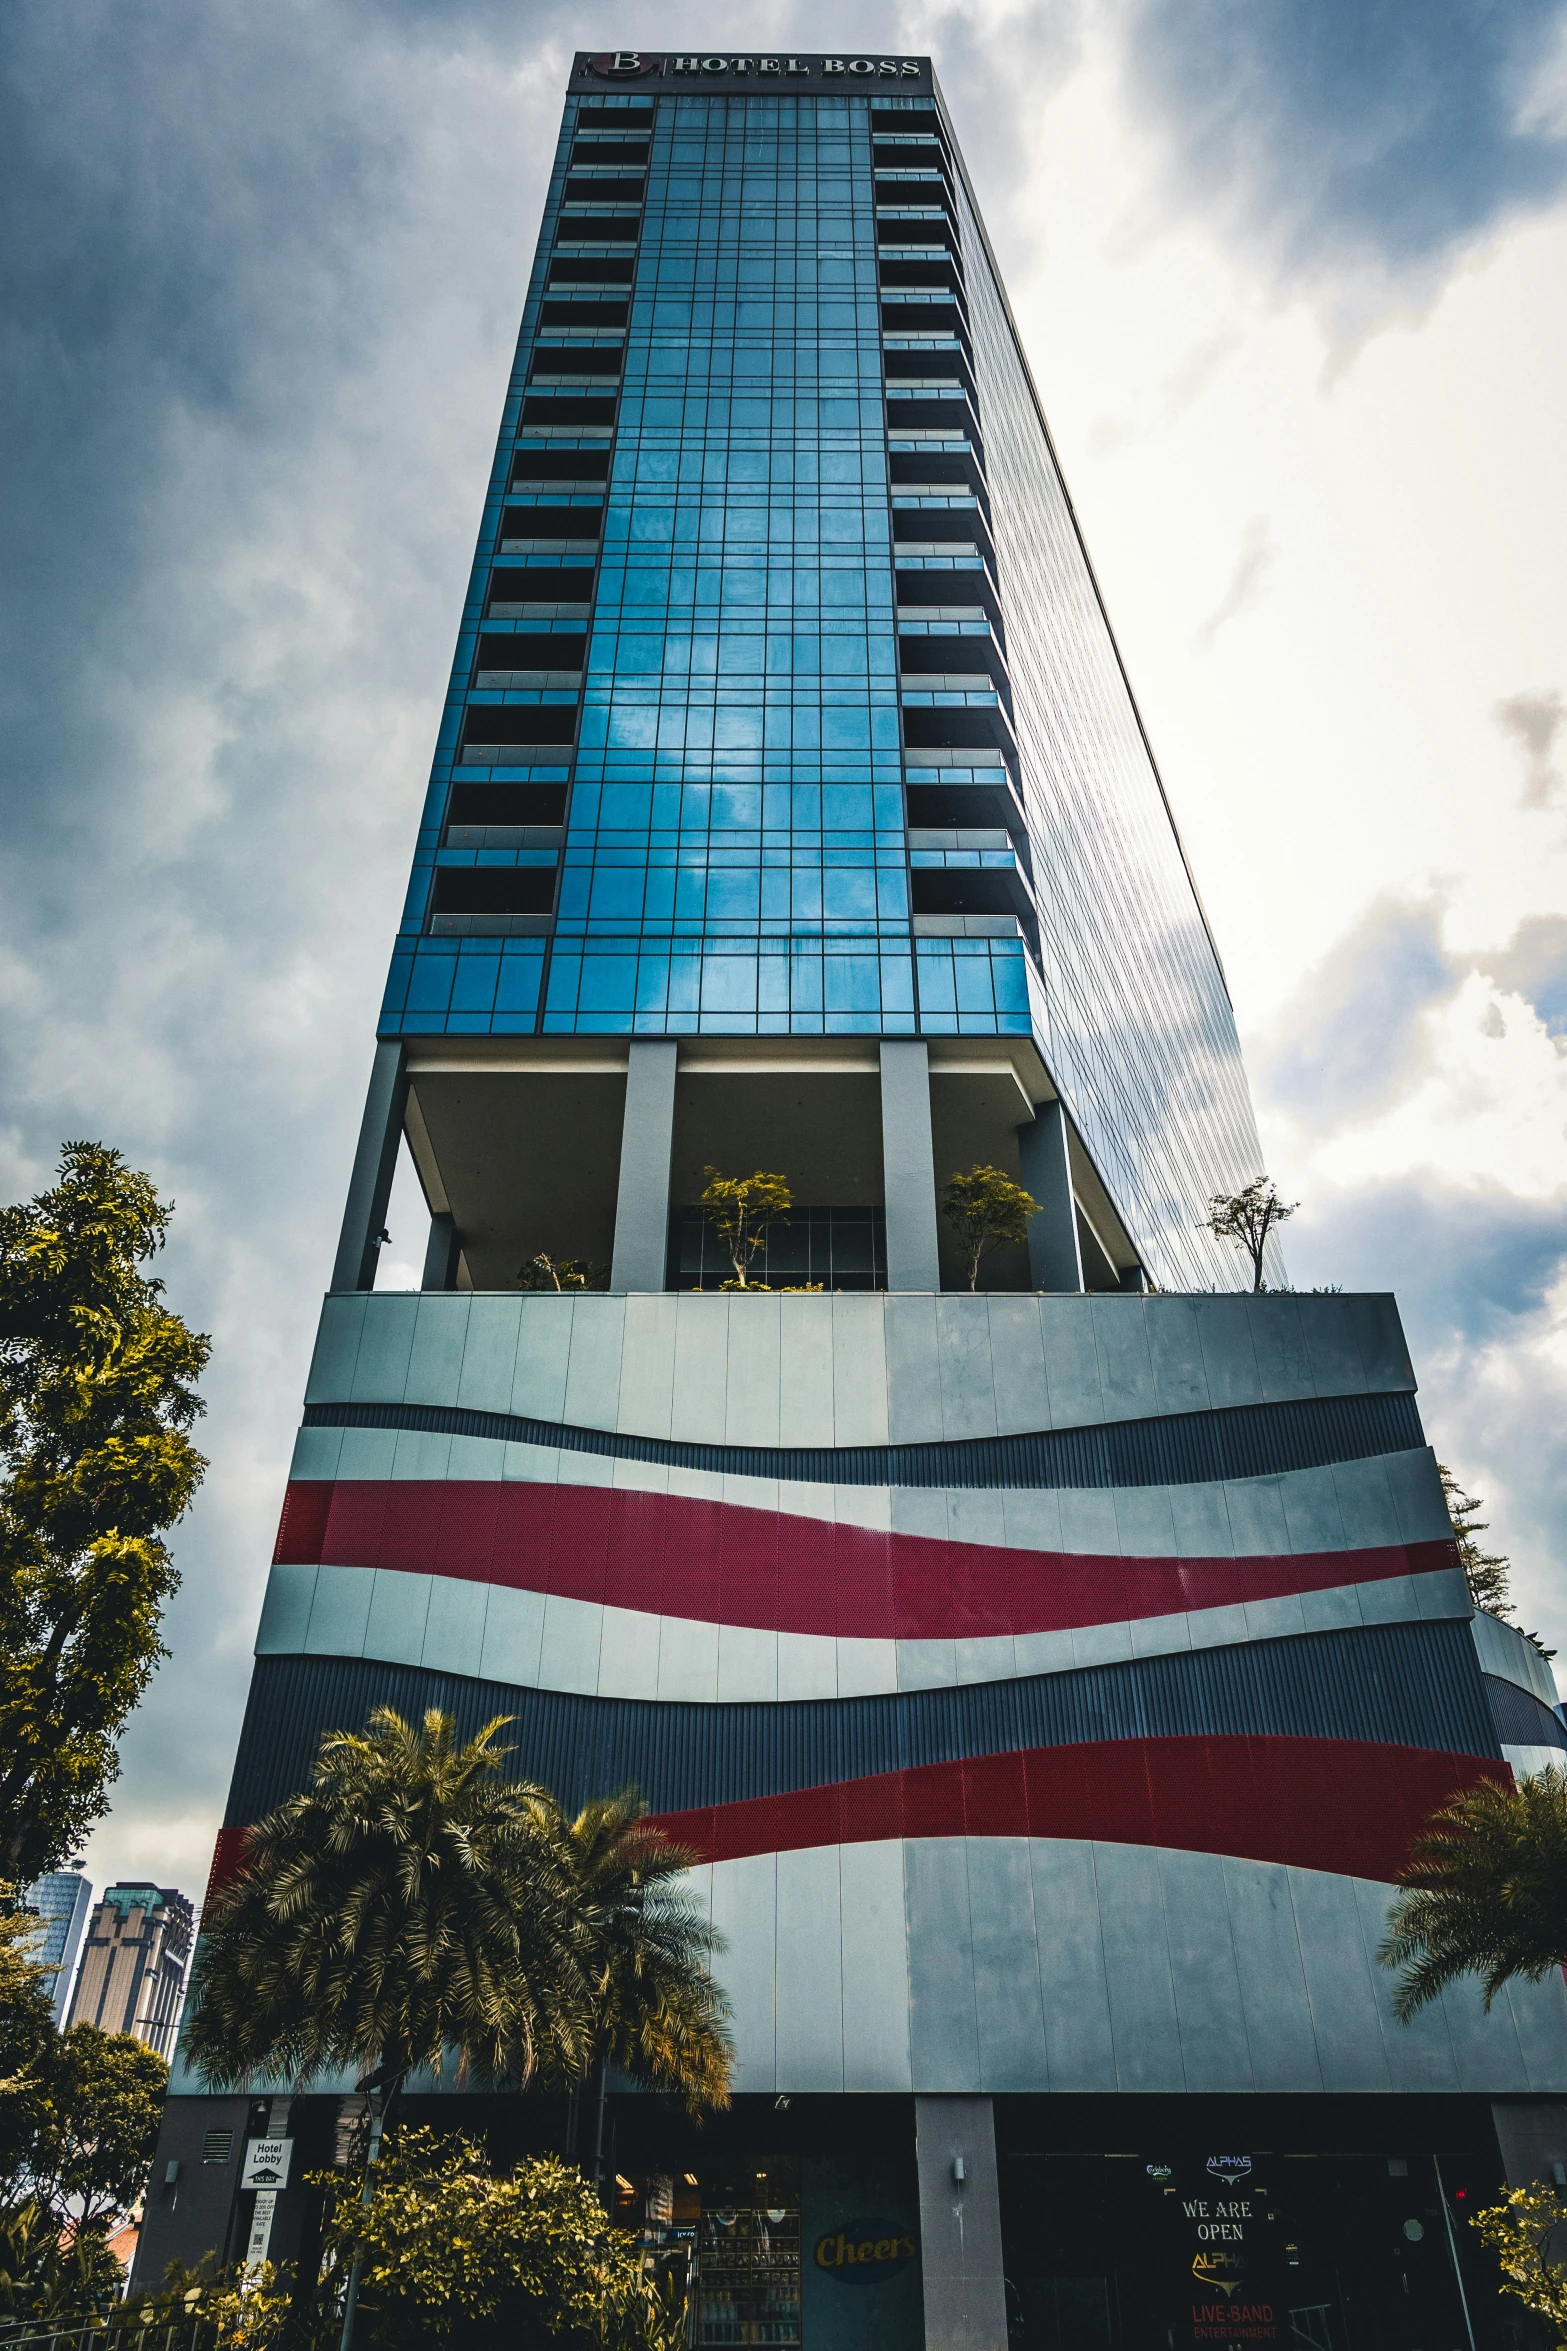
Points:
720	1563
1330	1804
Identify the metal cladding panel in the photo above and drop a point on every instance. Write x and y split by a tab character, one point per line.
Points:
1242	1441
1127	1968
1522	1719
1410	1684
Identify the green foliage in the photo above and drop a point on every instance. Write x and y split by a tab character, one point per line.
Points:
659	2015
1484	1892
742	1210
49	2276
97	1394
1519	2232
413	1904
448	2246
95	2138
562	1273
247	2309
1487	1573
1248	1219
985	1208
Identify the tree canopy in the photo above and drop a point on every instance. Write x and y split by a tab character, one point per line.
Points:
985	1208
1484	1892
413	1906
97	1396
1250	1219
742	1211
1487	1573
448	2246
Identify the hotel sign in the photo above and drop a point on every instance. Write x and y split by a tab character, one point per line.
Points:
725	70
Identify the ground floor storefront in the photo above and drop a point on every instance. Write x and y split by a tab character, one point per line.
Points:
813	2223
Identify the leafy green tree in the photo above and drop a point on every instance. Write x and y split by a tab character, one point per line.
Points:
97	1394
96	2136
449	2248
658	2014
1250	1219
1487	1573
742	1211
1520	2232
50	2275
562	1273
1484	1892
413	1904
985	1208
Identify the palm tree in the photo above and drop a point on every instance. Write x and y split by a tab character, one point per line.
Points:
1484	1892
657	2013
412	1904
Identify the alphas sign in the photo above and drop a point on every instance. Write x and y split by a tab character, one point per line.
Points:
726	71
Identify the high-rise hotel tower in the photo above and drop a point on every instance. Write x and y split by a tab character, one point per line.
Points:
1053	1676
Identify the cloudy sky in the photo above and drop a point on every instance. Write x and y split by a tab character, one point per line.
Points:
1290	277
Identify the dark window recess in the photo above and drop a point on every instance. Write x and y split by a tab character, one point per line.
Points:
493	889
966	804
896	275
909	157
551	522
923	524
907	465
927	729
569	408
584	314
902	318
602	228
890	234
521	722
498	804
916	588
597	191
521	652
899	119
945	656
896	365
967	889
842	1248
954	415
610	151
600	270
561	465
538	583
586	359
635	115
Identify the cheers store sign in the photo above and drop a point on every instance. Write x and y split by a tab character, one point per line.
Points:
638	65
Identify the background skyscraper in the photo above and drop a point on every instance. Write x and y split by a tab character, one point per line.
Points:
62	1900
1052	1677
132	1977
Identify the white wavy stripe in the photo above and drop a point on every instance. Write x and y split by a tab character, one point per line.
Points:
536	1641
995	1964
1347	1506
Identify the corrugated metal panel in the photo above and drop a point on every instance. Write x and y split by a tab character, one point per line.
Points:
1178	1448
1415	1685
1521	1719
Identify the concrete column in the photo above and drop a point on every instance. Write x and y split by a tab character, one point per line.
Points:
960	2225
641	1258
908	1168
441	1254
1532	2134
1054	1255
375	1163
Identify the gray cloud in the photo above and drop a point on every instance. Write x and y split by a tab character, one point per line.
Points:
1533	965
1351	133
1249	583
1349	1042
1534	722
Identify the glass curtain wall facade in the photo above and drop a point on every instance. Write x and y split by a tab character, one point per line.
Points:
784	703
1051	1684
